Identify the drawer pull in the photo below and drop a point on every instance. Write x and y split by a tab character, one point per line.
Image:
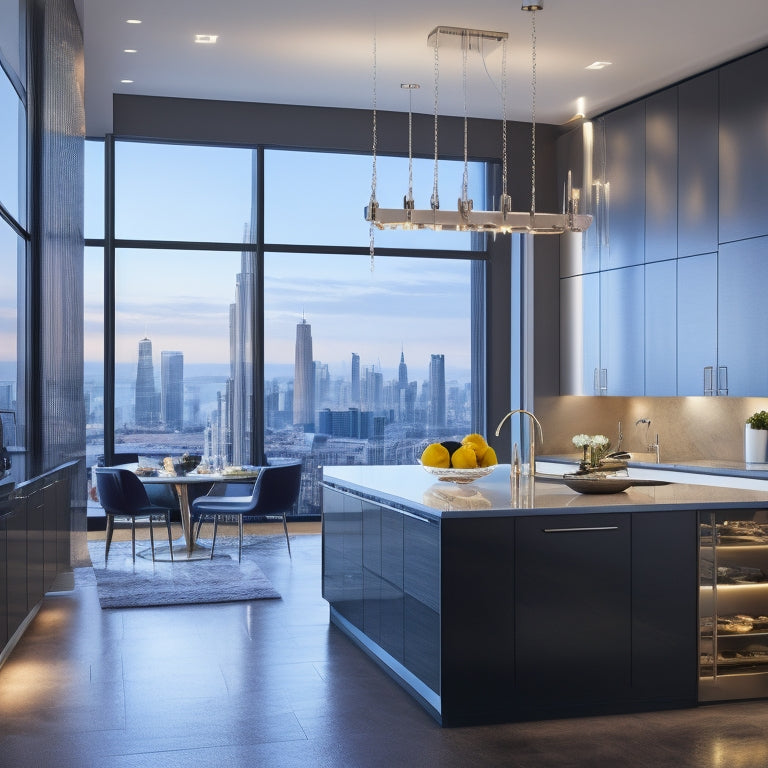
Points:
575	530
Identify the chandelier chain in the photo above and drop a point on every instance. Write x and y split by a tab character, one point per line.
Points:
533	112
373	203
410	143
465	177
504	118
435	201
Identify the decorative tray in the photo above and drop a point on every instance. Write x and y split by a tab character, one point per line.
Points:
452	475
595	483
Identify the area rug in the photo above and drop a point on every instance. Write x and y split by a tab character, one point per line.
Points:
121	583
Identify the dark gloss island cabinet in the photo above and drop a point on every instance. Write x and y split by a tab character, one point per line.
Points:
562	605
35	530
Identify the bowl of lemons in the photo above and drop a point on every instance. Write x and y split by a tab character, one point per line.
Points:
459	462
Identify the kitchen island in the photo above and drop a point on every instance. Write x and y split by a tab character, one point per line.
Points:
494	601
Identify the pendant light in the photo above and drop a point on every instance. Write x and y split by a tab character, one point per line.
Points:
465	218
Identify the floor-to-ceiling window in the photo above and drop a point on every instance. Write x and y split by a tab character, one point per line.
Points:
250	321
14	236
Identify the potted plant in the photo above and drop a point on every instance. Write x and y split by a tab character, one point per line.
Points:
756	438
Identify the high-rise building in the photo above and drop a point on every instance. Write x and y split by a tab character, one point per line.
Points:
436	404
172	389
240	410
304	378
402	372
355	396
145	398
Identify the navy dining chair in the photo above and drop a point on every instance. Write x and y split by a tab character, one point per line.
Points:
122	494
275	493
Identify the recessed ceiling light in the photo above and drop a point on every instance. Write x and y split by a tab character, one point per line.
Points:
206	39
126	81
133	21
599	65
130	50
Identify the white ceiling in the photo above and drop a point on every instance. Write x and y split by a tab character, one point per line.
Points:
320	52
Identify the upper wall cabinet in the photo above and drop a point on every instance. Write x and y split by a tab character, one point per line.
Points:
661	176
744	148
697	166
625	186
742	316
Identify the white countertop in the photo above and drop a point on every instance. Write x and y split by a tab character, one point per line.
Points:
410	488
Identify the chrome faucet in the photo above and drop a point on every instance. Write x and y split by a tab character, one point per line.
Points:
532	442
650	447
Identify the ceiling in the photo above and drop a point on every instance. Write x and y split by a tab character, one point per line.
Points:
322	53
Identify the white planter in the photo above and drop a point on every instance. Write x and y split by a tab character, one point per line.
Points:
755	445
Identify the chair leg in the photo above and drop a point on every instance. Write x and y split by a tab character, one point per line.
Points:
288	541
152	538
133	538
240	539
108	535
168	526
215	528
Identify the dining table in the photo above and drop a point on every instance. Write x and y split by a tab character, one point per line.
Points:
189	549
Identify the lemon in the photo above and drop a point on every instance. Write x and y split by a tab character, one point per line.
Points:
489	458
436	455
464	457
477	442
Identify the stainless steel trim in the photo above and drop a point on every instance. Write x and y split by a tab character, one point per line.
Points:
573	530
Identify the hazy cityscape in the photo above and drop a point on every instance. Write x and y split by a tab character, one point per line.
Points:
309	414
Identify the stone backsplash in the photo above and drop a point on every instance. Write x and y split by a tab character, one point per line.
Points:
689	428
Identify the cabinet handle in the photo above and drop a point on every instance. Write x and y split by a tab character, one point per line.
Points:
596	381
603	379
722	380
577	530
709	380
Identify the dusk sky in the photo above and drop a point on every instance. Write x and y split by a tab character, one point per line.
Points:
180	299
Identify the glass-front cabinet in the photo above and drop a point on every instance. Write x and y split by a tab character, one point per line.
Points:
733	604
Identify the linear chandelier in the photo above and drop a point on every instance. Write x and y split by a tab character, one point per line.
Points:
465	218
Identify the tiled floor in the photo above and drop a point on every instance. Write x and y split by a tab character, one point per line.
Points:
270	683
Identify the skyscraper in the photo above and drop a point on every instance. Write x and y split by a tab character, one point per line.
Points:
241	360
436	405
402	372
145	398
355	380
304	378
172	389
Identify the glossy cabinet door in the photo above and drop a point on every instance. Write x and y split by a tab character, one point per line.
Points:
343	554
622	331
660	328
742	316
573	616
580	335
743	156
661	191
421	583
16	561
625	177
3	585
697	325
697	202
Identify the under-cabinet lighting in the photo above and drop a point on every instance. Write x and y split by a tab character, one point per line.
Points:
126	81
599	65
206	39
133	21
130	50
